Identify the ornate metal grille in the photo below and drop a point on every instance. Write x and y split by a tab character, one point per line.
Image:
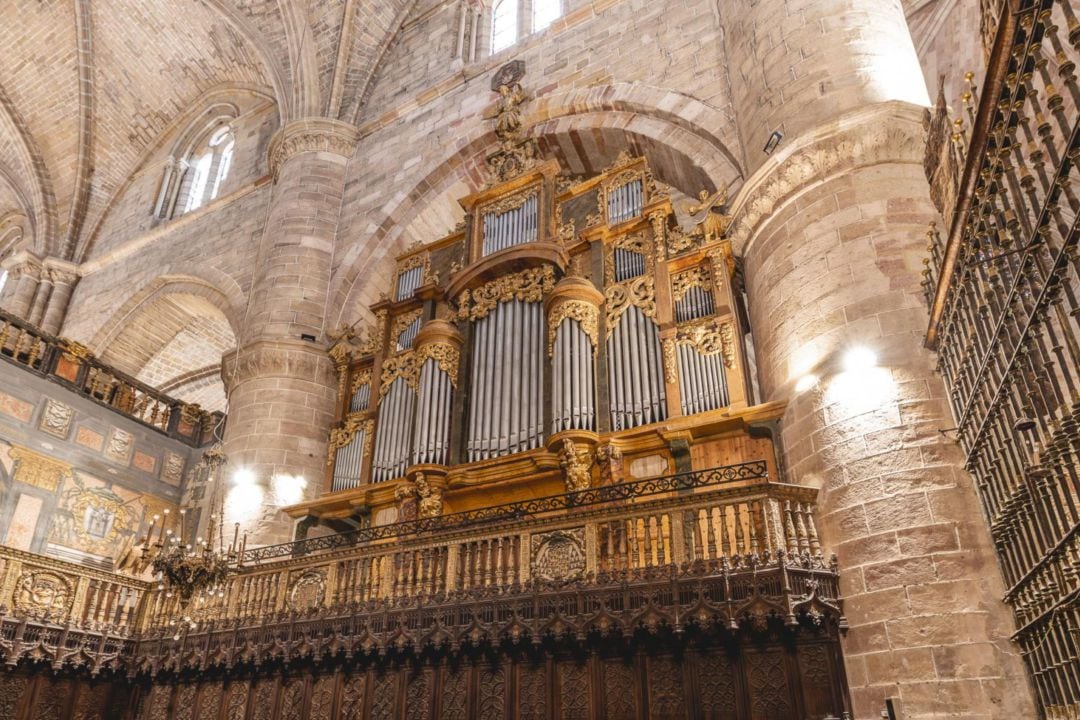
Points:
1004	296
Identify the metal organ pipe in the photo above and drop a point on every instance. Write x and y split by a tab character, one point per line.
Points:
506	412
347	463
702	380
638	394
432	430
512	227
573	393
394	437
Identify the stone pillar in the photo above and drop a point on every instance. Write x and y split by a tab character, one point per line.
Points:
832	230
25	269
63	277
41	298
281	382
835	267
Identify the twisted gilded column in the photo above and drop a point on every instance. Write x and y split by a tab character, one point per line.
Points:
281	381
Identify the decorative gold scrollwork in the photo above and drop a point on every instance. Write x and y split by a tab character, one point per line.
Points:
526	286
671	374
586	314
43	592
401	322
342	436
446	355
709	337
362	377
695	277
400	366
639	292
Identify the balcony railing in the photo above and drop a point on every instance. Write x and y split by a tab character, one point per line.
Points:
77	369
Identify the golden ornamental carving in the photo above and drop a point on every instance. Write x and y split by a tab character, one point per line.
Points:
510	202
402	322
400	366
369	437
516	152
671	374
634	242
699	277
307	590
723	261
586	314
446	355
576	466
710	337
567	233
559	556
38	470
430	499
640	292
361	378
679	241
709	217
659	229
343	435
529	285
43	592
75	352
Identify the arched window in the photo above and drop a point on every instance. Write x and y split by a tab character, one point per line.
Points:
504	24
545	12
198	178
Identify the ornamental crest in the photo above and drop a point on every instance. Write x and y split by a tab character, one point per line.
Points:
307	590
43	592
559	556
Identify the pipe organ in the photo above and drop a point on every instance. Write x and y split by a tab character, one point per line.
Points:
564	320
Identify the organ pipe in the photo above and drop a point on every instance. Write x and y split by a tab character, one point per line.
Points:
702	380
573	379
432	431
511	227
506	413
347	463
393	441
638	394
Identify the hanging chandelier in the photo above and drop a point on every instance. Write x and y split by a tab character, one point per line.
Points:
188	569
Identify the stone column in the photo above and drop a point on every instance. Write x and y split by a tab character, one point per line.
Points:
19	291
63	277
41	298
281	382
832	230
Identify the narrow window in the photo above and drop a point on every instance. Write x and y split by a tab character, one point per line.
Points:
200	173
545	12
504	25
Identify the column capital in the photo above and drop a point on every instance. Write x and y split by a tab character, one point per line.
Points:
23	262
60	271
311	135
282	358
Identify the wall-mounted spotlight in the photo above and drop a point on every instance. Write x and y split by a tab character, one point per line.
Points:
772	142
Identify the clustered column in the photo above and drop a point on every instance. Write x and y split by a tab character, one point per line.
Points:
281	382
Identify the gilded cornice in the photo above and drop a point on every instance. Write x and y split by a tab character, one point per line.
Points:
529	285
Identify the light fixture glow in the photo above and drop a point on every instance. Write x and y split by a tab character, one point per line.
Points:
859	358
806	382
289	489
243	476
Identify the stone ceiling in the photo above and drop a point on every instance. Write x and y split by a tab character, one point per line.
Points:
88	89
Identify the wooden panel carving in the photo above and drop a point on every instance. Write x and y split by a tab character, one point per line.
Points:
384	696
263	706
158	705
238	699
322	698
51	696
93	702
667	696
454	694
532	693
11	690
292	700
620	690
492	694
716	685
770	698
418	696
352	697
816	674
210	698
185	703
574	690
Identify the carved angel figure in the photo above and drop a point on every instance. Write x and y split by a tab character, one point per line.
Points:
709	215
508	120
575	465
431	504
610	460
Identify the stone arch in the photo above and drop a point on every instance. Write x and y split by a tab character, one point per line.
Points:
616	117
172	334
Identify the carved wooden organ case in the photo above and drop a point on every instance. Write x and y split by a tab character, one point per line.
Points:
563	316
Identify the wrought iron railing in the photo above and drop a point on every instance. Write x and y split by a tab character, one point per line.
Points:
74	366
1004	297
622	492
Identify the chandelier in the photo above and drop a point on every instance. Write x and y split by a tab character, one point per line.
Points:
189	569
